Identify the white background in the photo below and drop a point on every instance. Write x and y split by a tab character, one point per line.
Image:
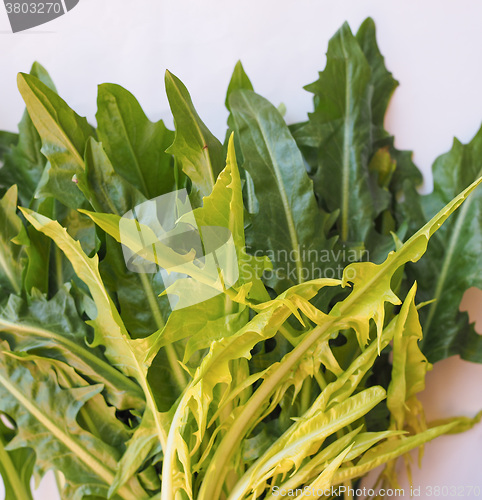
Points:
432	47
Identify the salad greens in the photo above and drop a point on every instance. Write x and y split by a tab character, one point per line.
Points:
303	374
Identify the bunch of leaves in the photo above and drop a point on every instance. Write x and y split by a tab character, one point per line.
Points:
280	381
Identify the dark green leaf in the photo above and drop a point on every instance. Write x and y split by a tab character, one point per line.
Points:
103	187
143	311
239	80
453	262
136	146
381	79
11	261
341	130
289	227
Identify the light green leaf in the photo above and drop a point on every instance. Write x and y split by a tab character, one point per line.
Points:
152	249
198	152
324	480
215	369
388	451
409	365
24	163
64	135
304	438
108	326
309	470
223	208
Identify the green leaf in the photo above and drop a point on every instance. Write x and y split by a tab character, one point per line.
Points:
141	445
381	79
95	416
138	294
16	467
219	316
136	146
108	326
144	312
36	273
406	172
24	163
64	135
207	277
371	289
11	261
109	329
289	227
103	187
239	80
453	262
340	128
255	386
58	269
198	152
46	416
7	141
54	329
384	85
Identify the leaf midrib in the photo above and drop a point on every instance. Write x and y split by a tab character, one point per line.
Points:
58	132
8	326
8	271
205	151
89	460
20	492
